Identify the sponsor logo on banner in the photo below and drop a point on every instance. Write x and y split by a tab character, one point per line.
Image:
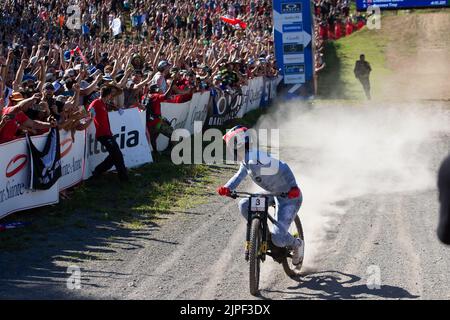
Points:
294	27
224	106
16	164
66	146
72	159
175	113
198	110
292	48
291	12
287	19
295	7
14	179
293	37
254	93
126	138
294	58
294	69
294	79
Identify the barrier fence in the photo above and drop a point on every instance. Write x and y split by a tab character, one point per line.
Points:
79	156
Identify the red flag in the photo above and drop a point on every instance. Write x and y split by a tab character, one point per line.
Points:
234	21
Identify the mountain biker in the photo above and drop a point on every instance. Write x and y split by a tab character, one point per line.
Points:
256	164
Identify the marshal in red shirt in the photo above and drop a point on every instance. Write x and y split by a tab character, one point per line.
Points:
101	119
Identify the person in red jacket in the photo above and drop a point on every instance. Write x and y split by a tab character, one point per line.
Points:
104	135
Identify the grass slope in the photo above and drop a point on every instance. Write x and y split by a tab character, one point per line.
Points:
398	38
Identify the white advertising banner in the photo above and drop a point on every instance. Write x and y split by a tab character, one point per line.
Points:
255	92
198	110
130	135
72	158
176	114
15	178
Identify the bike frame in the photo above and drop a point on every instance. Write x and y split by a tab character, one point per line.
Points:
263	216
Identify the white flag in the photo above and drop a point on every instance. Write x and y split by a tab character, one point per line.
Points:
116	26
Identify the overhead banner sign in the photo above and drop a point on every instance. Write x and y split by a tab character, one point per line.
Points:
292	39
362	5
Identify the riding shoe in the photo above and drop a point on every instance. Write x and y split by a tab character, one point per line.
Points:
298	252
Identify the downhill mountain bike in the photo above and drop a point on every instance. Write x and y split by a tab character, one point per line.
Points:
258	242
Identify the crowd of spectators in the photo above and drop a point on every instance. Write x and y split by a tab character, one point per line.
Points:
333	20
53	68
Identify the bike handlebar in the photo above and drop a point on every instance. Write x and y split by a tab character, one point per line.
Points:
242	194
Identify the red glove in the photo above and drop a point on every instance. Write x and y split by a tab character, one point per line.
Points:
294	193
224	191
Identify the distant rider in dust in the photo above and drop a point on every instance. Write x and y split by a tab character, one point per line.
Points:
259	166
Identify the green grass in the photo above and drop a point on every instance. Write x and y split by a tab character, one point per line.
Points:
154	189
337	80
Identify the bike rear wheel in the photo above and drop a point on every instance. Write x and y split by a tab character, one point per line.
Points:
296	230
254	255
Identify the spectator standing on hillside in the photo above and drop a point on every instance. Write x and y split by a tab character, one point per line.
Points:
104	135
362	72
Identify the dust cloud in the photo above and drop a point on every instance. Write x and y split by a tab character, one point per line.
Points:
339	152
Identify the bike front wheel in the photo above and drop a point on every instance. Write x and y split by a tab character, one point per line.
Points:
255	255
296	230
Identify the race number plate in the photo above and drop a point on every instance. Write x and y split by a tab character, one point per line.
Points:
258	204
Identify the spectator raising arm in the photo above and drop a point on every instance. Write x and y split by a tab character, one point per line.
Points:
19	75
39	125
25	104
